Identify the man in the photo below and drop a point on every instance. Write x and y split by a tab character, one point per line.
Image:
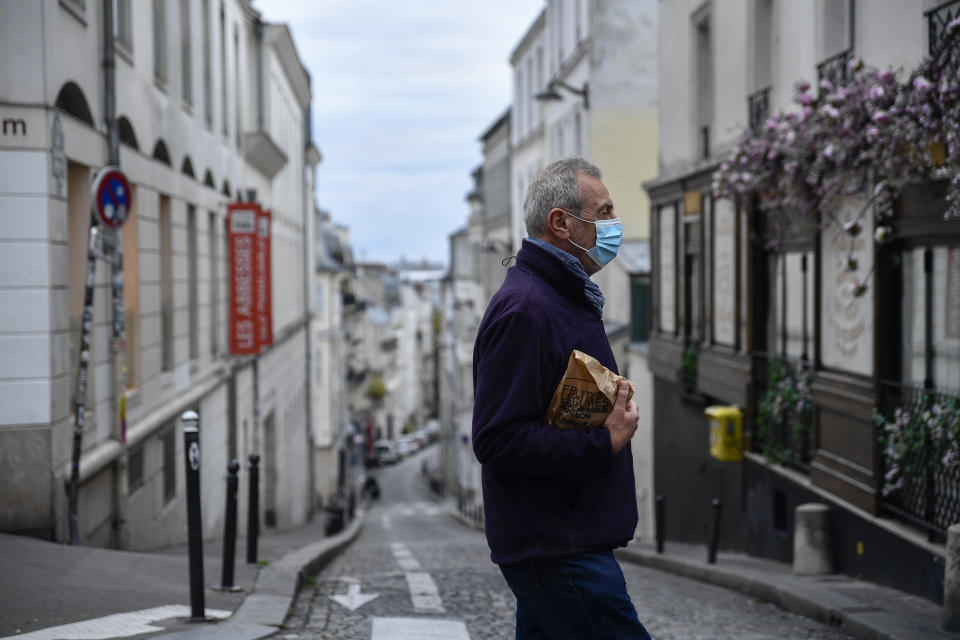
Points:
557	502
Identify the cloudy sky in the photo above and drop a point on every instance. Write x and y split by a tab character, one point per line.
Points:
401	92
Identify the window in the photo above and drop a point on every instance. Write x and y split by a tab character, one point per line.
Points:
160	41
192	301
207	80
169	440
122	31
531	92
762	44
519	100
578	21
704	81
131	291
577	133
237	129
837	27
166	285
214	285
639	309
134	470
186	60
559	32
223	70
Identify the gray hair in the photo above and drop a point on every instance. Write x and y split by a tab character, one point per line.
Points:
557	187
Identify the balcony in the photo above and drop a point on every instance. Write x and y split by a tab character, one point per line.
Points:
836	68
918	432
758	108
937	20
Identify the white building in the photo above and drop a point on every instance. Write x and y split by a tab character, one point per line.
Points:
211	105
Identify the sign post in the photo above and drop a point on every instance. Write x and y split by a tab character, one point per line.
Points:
111	205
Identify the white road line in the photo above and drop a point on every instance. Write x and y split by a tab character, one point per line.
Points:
409	564
118	625
418	629
423	592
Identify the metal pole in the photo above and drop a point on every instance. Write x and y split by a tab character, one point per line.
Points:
715	535
80	399
253	510
230	530
659	522
191	445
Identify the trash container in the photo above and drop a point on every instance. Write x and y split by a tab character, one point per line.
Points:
726	432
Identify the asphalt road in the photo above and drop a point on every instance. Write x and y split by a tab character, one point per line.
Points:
416	573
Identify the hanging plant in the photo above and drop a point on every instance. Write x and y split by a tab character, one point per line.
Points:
873	130
787	402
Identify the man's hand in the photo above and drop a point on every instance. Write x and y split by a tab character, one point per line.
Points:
623	419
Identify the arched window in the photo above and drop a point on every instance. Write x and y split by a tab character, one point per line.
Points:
71	100
160	153
208	179
127	135
226	188
187	168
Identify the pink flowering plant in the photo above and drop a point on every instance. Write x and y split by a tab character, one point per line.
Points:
785	411
873	134
914	442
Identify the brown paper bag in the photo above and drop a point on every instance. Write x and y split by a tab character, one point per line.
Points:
585	395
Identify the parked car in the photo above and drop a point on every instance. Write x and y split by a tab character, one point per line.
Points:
385	452
405	446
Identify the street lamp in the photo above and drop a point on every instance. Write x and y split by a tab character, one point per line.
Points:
552	94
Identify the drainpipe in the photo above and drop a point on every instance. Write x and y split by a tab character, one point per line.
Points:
259	31
309	273
118	367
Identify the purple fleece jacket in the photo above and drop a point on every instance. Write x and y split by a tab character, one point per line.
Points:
546	492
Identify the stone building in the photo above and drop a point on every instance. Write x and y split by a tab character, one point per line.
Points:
212	106
749	314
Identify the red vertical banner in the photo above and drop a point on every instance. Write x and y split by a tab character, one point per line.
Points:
242	247
263	276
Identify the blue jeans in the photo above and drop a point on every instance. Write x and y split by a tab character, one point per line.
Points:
581	597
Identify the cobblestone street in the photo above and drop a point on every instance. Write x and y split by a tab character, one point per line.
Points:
432	578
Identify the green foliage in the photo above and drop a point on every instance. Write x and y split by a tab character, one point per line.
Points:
376	390
690	356
914	442
787	402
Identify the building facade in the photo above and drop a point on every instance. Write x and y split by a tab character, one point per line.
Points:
212	106
749	310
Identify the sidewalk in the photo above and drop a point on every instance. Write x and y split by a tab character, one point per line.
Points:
862	609
44	584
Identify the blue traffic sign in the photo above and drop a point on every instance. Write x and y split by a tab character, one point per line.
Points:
111	196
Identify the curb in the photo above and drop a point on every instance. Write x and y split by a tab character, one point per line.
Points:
264	610
794	594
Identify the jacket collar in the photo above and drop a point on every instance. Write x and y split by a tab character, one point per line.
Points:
566	276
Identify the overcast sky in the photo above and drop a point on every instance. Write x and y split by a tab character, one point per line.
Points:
401	92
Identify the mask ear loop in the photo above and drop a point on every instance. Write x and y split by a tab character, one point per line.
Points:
506	261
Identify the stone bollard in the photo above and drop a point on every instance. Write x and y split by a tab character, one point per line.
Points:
812	545
951	581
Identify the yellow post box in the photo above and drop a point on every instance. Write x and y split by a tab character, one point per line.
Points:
726	432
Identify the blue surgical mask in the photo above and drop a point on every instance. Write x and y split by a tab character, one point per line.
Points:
609	235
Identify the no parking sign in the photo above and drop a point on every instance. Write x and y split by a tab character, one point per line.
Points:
111	196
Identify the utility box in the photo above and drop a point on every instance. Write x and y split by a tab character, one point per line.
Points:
726	432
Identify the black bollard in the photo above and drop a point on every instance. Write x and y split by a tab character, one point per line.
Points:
230	530
715	535
253	510
659	522
191	442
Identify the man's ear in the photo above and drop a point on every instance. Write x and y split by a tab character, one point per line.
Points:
558	223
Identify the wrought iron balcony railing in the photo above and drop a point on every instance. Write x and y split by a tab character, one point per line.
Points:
783	410
920	464
937	20
758	107
836	68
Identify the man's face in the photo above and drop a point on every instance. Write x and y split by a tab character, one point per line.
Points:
597	205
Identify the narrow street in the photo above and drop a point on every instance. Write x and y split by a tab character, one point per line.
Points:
416	573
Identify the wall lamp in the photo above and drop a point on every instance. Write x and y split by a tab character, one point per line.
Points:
552	94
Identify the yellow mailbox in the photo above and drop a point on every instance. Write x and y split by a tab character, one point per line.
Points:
726	432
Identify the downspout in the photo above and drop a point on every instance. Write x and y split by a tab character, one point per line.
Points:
308	274
259	31
118	368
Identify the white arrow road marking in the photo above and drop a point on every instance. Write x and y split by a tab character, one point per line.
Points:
418	629
118	625
353	599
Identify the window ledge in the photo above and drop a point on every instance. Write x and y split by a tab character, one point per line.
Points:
77	9
123	51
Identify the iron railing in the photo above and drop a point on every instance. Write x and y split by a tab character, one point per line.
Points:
922	483
782	410
836	68
938	19
758	107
